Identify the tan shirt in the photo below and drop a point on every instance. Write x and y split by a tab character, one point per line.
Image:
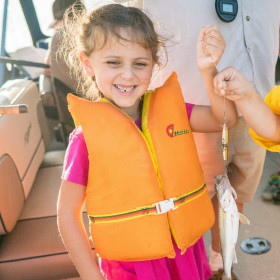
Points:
252	41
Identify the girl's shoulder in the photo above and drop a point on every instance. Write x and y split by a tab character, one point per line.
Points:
77	133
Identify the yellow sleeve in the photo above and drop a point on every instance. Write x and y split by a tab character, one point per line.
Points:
273	101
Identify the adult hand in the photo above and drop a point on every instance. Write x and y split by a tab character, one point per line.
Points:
210	47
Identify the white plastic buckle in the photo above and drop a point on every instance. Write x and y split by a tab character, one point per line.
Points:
165	206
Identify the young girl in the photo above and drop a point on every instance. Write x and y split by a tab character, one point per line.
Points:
132	157
262	116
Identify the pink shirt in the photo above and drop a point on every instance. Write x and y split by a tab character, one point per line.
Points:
193	265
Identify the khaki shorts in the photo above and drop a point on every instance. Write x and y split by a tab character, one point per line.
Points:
245	158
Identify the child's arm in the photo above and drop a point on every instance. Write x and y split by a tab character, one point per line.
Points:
210	48
71	227
256	113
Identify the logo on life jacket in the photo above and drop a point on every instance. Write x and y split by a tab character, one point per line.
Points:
172	133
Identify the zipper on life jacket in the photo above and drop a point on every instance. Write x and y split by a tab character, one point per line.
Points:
147	135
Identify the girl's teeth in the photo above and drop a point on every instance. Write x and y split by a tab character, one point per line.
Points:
124	89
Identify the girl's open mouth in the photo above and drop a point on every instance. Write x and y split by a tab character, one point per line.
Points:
125	90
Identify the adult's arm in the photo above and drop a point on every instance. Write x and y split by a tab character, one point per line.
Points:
210	47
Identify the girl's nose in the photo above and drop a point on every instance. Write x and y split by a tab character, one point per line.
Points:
127	72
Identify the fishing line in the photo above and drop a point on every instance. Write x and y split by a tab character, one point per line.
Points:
224	132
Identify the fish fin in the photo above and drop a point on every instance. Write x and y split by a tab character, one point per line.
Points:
243	219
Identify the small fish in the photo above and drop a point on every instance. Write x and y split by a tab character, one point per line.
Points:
229	218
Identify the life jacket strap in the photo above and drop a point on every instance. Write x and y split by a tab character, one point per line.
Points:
165	206
157	208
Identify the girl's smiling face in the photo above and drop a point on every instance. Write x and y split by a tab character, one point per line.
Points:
123	71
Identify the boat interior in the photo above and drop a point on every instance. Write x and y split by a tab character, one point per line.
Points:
32	149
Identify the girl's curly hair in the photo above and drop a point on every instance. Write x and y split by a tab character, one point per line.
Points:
80	31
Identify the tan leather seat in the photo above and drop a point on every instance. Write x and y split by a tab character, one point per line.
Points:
30	245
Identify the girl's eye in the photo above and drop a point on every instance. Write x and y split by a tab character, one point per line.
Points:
140	64
113	62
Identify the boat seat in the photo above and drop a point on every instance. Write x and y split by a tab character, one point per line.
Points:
30	245
34	248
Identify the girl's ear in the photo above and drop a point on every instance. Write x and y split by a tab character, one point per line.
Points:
86	62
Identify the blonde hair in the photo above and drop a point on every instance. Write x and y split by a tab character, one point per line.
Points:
123	23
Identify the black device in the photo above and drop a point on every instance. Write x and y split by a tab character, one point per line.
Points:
226	9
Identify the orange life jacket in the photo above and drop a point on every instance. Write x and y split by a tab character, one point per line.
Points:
144	187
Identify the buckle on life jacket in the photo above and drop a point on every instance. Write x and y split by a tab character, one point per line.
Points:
165	206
